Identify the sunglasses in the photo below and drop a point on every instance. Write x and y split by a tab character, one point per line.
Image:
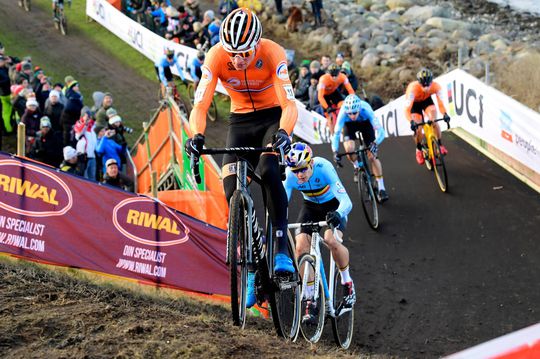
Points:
352	113
300	170
244	54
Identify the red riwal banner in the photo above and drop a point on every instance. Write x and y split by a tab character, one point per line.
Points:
51	216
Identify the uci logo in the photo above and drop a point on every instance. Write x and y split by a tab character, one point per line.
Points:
136	38
468	101
140	220
32	191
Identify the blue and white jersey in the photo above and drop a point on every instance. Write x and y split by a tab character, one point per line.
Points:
366	114
163	63
323	186
195	69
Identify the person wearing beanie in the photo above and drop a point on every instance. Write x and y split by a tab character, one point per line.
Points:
30	119
71	161
72	110
53	109
47	147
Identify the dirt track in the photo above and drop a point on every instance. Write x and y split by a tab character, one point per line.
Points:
445	271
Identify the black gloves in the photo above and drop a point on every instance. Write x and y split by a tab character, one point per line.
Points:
333	219
281	140
446	118
413	126
194	145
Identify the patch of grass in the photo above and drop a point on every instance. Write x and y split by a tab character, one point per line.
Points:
520	80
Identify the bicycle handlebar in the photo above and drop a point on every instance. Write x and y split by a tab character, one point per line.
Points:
316	224
194	159
429	122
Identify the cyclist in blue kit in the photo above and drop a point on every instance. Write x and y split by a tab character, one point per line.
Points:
357	115
325	198
163	69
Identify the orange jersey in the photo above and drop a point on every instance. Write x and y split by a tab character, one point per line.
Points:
416	93
264	84
328	85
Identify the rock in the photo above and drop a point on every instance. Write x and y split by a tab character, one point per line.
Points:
437	33
378	7
370	60
386	49
422	13
422	30
461	34
482	48
447	25
406	75
394	4
390	16
475	67
365	3
499	45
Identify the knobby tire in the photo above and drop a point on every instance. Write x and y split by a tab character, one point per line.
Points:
342	323
312	332
368	199
237	239
439	167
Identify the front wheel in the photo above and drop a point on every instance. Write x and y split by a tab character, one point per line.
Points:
439	167
368	199
313	305
343	321
236	255
285	302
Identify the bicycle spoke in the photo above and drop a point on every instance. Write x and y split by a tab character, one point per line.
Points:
439	167
368	200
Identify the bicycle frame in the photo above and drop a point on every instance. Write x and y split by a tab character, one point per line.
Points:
429	133
320	273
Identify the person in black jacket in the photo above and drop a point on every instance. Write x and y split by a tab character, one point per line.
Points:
72	111
5	93
115	178
47	147
53	110
301	88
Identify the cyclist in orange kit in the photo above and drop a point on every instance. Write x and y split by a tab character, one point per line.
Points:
418	102
329	96
263	112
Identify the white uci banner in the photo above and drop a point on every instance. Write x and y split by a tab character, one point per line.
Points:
482	111
479	109
311	126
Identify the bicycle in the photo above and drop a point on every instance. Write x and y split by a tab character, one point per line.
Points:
172	91
212	114
331	118
281	290
60	20
434	159
312	268
25	4
367	186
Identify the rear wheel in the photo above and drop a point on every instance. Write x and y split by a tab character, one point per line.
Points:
311	329
439	167
63	25
236	249
368	199
343	322
285	303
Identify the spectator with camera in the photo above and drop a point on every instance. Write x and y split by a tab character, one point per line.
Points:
107	148
114	177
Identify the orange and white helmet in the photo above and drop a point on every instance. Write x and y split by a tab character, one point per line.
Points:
240	31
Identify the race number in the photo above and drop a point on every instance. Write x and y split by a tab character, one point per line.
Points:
290	92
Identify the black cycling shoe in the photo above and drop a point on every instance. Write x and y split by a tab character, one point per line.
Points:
382	196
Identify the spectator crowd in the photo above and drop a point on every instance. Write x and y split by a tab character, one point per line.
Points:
60	130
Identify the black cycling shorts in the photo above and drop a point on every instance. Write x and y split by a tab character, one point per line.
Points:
166	71
350	128
419	107
334	98
254	129
315	212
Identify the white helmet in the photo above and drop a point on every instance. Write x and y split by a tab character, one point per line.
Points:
240	31
299	156
352	104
